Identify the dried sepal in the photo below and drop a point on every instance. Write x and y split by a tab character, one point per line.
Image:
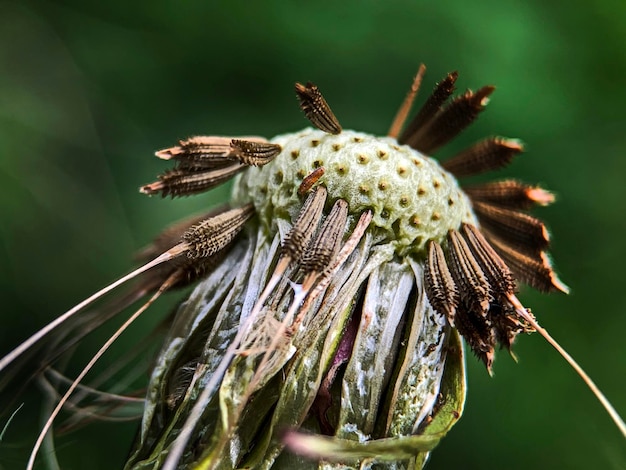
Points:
316	109
440	94
181	182
489	154
440	287
514	226
451	120
509	194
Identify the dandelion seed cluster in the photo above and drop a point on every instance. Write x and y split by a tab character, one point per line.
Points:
412	198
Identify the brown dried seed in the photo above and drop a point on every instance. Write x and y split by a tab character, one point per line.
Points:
215	233
469	278
172	234
440	287
205	152
499	275
510	194
326	244
310	180
536	271
299	237
254	153
488	154
322	281
442	91
183	182
316	109
451	120
513	225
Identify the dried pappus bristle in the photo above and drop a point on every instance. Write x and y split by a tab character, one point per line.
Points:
214	234
326	244
316	109
513	225
405	107
487	155
182	182
442	91
440	287
478	332
510	194
254	153
180	381
452	120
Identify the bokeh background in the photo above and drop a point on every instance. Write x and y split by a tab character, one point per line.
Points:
89	90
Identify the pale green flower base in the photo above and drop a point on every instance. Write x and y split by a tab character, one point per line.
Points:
412	198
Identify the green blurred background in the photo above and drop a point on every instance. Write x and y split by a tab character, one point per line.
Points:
89	90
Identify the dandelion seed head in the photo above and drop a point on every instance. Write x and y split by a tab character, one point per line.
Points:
407	192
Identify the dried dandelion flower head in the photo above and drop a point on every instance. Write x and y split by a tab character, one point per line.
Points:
336	311
334	290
